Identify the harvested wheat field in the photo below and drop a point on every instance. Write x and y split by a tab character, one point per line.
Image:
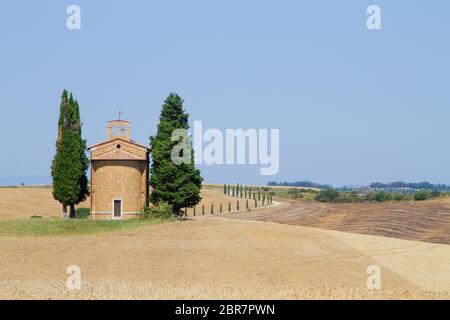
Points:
24	202
225	256
427	221
220	258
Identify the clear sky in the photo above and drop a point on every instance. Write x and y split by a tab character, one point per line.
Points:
353	106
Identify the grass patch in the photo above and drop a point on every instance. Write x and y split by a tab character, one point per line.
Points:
301	194
59	227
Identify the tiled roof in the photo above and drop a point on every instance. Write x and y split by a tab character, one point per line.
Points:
117	154
115	139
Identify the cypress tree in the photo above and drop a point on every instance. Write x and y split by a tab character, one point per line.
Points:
259	195
237	205
61	124
177	184
212	208
70	164
220	208
203	209
225	188
233	192
246	204
229	206
264	198
228	187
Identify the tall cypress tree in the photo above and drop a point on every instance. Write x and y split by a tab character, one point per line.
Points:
69	166
176	184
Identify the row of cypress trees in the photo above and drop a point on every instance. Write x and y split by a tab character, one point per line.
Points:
221	209
176	184
247	192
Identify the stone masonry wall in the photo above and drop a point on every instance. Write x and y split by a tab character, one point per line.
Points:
118	179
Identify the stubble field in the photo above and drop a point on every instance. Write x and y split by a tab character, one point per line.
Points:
427	221
24	202
229	256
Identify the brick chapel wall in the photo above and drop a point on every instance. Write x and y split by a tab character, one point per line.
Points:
119	179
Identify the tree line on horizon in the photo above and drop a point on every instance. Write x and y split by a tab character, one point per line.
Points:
376	185
410	185
174	186
302	184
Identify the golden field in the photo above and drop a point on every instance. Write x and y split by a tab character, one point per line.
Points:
24	202
242	255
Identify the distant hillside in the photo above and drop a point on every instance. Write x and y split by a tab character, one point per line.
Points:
414	186
396	187
302	184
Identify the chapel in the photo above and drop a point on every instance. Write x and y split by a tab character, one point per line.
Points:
119	174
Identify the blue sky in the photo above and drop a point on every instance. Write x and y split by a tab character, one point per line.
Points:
353	106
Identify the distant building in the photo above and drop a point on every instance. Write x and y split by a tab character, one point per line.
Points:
119	174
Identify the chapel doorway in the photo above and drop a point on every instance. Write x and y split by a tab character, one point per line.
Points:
117	214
